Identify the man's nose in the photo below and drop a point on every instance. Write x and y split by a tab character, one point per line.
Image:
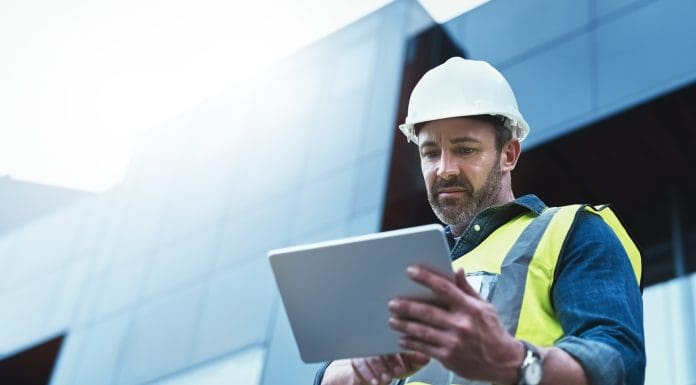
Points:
447	168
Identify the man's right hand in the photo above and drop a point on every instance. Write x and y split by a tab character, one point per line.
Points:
378	370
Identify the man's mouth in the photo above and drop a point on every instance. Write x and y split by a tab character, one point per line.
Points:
451	192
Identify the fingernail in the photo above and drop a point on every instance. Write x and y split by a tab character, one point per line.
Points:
374	381
412	270
385	377
392	304
398	371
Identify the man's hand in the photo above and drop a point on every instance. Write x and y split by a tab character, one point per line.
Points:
464	334
379	370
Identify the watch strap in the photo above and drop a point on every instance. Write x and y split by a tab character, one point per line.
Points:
532	357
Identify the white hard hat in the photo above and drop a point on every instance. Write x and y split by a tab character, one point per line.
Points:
461	87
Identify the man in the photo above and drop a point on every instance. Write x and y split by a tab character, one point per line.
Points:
563	304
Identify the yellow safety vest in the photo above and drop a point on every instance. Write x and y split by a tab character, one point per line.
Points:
524	253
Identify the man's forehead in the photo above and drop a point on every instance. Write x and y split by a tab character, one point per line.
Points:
434	141
455	130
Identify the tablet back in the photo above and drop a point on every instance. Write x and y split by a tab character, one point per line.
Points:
335	293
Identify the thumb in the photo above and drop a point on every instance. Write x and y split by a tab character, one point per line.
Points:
460	280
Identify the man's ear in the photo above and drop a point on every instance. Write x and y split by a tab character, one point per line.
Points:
509	155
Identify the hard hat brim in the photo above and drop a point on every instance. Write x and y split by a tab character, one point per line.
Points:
517	126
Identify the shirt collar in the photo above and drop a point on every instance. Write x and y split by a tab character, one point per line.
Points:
531	202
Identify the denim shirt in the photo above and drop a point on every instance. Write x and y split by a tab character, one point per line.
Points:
595	294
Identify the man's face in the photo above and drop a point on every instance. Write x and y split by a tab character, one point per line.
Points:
461	168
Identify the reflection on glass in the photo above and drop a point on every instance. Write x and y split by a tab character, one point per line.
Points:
242	368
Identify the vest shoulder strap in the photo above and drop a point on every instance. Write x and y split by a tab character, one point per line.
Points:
629	246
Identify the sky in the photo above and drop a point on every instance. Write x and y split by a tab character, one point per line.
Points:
81	81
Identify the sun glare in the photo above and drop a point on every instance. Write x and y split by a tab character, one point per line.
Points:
85	79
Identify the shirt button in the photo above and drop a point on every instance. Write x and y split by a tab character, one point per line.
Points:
477	227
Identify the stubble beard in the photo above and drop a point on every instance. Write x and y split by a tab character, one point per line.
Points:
460	212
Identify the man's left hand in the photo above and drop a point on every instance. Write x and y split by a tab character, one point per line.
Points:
463	332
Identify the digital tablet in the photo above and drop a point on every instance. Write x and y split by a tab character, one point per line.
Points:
336	292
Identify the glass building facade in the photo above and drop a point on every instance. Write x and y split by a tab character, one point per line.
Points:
165	280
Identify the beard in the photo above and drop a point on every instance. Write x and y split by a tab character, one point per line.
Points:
461	211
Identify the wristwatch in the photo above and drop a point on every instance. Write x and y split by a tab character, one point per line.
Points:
532	368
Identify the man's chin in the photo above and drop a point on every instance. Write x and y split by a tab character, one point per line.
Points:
448	215
452	204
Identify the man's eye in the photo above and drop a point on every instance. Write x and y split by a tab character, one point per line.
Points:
429	154
465	150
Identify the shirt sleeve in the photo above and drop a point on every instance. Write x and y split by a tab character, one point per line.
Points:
319	376
598	301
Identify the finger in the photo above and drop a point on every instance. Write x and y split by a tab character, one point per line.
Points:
414	360
420	331
422	347
380	370
444	287
396	365
462	283
363	370
423	312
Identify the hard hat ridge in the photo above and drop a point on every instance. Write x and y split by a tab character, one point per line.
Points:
461	87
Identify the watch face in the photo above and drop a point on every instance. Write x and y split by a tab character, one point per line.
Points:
532	373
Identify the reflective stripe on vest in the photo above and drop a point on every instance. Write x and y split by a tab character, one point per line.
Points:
525	252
